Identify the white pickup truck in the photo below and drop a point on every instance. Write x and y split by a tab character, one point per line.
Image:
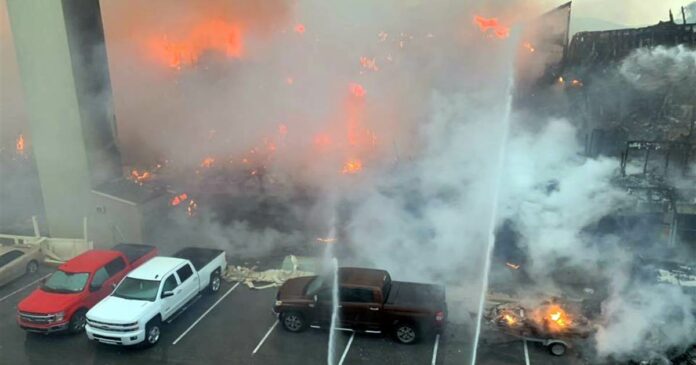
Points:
154	293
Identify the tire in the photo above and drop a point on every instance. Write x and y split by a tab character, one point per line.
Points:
293	322
32	267
78	321
153	332
406	333
557	349
215	282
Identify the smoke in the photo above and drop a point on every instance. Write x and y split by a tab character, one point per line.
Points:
690	11
660	68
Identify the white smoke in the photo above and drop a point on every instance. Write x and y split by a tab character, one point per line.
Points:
659	68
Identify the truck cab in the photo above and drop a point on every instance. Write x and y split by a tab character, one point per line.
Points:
368	301
62	300
153	294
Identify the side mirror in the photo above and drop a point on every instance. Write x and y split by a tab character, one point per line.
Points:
167	293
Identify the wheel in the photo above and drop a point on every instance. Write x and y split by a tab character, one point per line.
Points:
152	332
215	282
406	333
557	349
293	322
78	321
32	267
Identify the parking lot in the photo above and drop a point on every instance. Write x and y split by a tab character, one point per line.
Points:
237	326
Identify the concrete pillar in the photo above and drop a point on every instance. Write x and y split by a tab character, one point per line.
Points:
62	62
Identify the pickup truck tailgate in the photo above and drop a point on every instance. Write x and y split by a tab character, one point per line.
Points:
425	297
198	256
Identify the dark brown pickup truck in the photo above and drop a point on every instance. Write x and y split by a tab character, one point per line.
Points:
369	301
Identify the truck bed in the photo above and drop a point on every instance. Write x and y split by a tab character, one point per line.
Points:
133	251
198	256
425	297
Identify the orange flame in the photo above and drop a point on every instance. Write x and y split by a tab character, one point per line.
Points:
178	199
577	83
208	162
554	317
497	29
140	176
352	166
357	89
214	35
20	144
300	28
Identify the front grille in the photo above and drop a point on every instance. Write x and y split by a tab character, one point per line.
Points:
37	318
108	338
113	327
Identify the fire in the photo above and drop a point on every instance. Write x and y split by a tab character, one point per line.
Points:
20	144
529	47
561	80
178	199
511	321
352	166
140	176
357	89
213	35
554	317
208	162
369	64
497	29
300	28
577	83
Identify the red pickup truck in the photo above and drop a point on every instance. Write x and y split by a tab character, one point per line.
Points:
61	302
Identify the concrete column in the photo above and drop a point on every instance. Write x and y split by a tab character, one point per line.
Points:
62	62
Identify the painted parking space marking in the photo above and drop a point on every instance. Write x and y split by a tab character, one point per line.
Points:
205	313
435	347
345	352
264	338
526	353
24	287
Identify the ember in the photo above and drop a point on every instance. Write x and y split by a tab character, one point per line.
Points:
140	176
20	144
352	166
208	162
300	28
357	89
179	199
497	29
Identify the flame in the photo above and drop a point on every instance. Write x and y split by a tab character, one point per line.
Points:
178	199
357	89
352	166
554	318
511	321
20	144
369	64
529	47
208	162
299	28
212	35
577	83
498	29
561	80
140	176
512	266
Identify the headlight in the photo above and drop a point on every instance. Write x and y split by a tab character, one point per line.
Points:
278	303
59	316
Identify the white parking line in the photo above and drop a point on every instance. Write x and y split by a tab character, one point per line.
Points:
526	353
264	338
205	314
345	352
24	287
437	344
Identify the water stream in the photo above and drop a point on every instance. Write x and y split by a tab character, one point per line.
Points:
493	218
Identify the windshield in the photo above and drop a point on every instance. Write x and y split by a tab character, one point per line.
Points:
314	285
137	289
66	282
